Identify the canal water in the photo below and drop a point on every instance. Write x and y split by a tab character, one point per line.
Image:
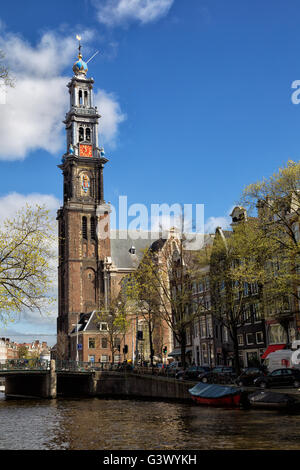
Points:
100	424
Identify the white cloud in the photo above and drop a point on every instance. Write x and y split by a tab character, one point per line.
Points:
13	202
223	221
32	117
116	12
213	222
111	116
163	223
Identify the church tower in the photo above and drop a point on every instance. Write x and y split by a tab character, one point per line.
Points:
83	254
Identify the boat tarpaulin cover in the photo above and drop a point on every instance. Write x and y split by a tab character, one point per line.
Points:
270	397
212	391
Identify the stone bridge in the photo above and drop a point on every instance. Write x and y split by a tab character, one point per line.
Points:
49	379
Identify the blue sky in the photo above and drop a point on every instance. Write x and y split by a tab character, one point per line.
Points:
195	97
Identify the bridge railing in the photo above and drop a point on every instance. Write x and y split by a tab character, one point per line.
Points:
79	366
24	364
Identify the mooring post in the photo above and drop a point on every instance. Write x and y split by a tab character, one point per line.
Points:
53	380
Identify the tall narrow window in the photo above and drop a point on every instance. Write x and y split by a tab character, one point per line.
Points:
81	134
84	228
85	98
80	97
62	241
88	134
93	228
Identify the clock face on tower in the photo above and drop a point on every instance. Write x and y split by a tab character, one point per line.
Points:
85	150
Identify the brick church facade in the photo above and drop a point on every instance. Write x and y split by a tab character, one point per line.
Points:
92	263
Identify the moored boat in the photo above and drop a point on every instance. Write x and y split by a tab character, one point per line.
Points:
266	399
216	395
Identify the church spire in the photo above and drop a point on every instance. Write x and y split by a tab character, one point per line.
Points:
80	67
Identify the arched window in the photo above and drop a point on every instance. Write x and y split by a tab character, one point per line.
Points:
84	228
88	134
81	134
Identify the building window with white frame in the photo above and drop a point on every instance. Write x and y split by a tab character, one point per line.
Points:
259	337
188	336
249	338
254	288
225	335
257	317
209	326
247	314
203	327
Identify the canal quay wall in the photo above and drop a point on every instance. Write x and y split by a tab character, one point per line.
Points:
52	384
130	385
106	384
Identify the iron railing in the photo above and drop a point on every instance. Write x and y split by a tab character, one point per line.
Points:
60	365
24	364
79	366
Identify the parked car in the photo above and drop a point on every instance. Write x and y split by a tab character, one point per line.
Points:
173	368
279	377
219	374
248	376
192	372
124	366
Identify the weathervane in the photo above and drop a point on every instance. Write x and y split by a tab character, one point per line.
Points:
79	49
79	45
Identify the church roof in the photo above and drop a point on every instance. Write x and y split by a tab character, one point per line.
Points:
127	249
122	242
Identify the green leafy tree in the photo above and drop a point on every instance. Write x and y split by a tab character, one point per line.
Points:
141	291
237	262
113	314
23	352
167	273
26	256
276	200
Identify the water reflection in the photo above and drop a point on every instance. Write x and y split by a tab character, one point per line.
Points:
96	424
